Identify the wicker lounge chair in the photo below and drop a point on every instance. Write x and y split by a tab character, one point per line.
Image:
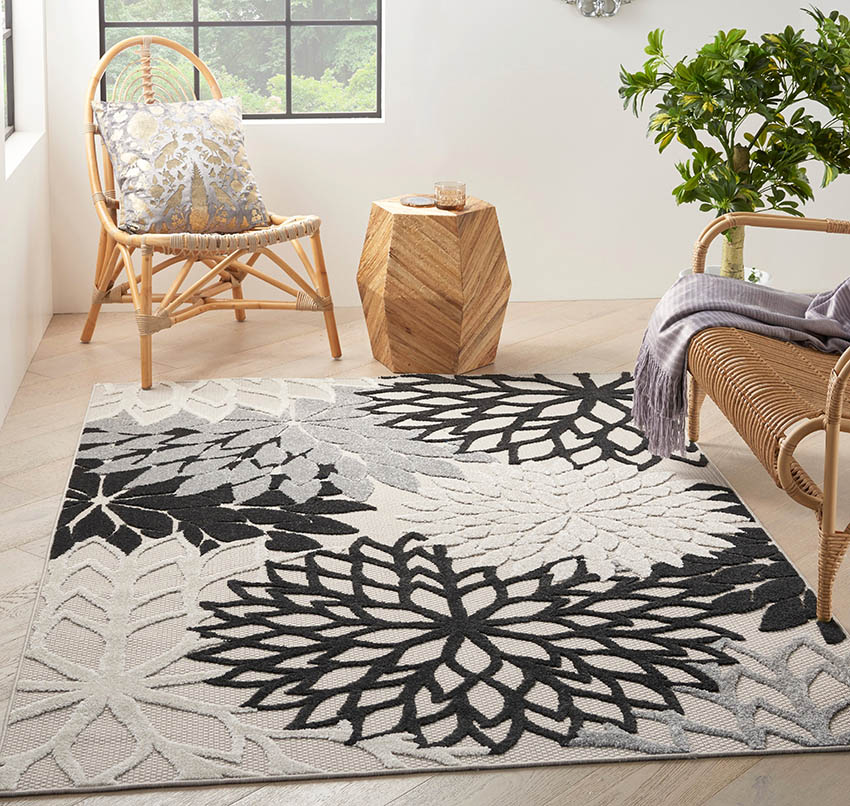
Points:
775	394
227	259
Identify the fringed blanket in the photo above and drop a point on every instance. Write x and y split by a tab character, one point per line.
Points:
701	301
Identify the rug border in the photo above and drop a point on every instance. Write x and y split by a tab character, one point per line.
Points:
355	776
304	777
45	562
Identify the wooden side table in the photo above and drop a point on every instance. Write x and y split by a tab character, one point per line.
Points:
434	285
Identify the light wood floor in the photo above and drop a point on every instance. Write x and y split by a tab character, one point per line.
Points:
40	434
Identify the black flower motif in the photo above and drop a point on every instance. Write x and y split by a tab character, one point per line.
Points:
397	640
752	575
531	418
112	507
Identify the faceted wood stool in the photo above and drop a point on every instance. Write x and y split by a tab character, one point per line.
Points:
434	285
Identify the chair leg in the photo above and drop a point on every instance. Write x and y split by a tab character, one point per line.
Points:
146	293
102	258
239	313
696	397
831	551
325	291
333	335
91	322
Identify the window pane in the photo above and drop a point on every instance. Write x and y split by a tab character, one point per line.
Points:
147	10
6	50
334	9
334	68
125	58
215	10
6	121
249	63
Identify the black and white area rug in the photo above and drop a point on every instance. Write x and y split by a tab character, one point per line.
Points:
269	579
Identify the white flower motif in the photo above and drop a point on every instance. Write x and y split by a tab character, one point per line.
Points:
211	400
106	657
620	519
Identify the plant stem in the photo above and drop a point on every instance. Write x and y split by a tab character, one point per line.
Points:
733	253
741	160
781	108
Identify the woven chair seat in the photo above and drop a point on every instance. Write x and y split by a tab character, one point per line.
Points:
763	386
250	240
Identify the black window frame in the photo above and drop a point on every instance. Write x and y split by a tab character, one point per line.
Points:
195	24
9	122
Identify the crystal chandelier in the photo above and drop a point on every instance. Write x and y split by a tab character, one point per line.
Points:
598	8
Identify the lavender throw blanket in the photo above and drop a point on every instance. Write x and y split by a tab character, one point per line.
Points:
701	301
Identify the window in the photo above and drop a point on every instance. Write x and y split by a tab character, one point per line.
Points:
283	58
9	71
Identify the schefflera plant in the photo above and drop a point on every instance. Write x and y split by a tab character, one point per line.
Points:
753	115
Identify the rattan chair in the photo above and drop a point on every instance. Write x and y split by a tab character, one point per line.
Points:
775	394
149	75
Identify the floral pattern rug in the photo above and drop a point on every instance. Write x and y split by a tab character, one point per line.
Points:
270	579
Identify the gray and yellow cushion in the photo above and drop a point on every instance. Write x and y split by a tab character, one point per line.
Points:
181	167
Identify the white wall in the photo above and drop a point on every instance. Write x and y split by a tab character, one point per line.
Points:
518	98
25	261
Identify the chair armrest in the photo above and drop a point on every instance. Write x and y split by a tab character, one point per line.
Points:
837	387
834	425
832	422
768	220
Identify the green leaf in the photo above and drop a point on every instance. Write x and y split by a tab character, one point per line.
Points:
688	138
664	140
792	87
656	43
830	174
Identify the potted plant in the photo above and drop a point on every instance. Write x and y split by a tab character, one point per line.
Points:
753	115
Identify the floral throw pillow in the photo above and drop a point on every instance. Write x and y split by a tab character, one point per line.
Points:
181	167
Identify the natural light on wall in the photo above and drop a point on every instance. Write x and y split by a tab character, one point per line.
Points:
283	58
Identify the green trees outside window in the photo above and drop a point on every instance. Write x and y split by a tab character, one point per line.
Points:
284	58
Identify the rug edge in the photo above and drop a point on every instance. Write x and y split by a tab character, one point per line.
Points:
307	778
7	711
302	778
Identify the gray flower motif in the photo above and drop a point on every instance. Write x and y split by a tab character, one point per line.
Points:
247	447
245	450
327	432
799	694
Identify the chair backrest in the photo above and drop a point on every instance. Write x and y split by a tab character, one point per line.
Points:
150	70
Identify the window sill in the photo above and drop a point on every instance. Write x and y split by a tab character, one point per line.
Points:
18	147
